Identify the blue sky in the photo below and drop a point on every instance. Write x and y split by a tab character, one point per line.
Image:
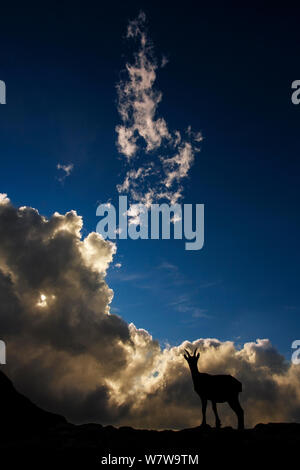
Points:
229	75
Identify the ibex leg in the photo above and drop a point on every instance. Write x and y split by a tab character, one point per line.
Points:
204	404
214	407
235	405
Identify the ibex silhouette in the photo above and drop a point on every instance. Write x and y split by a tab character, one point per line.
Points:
217	388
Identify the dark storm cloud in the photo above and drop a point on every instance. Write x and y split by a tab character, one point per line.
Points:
70	355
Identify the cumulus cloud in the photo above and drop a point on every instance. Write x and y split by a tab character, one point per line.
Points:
142	134
70	354
3	198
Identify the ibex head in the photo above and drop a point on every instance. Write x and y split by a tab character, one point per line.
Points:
191	359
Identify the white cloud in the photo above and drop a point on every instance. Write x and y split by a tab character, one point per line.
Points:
138	100
3	198
159	159
133	178
179	165
67	170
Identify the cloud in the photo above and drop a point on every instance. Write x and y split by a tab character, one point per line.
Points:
152	176
207	285
67	170
168	266
179	165
138	100
183	303
70	354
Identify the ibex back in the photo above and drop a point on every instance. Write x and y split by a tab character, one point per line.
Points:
217	389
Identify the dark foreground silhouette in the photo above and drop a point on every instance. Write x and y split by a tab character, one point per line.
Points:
217	389
45	440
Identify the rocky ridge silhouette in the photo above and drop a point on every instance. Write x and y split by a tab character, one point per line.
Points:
30	434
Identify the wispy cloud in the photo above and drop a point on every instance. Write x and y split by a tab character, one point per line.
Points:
66	170
157	159
138	100
128	277
207	285
172	273
183	304
168	266
200	313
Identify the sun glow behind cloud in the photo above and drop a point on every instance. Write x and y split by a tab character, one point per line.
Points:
42	301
